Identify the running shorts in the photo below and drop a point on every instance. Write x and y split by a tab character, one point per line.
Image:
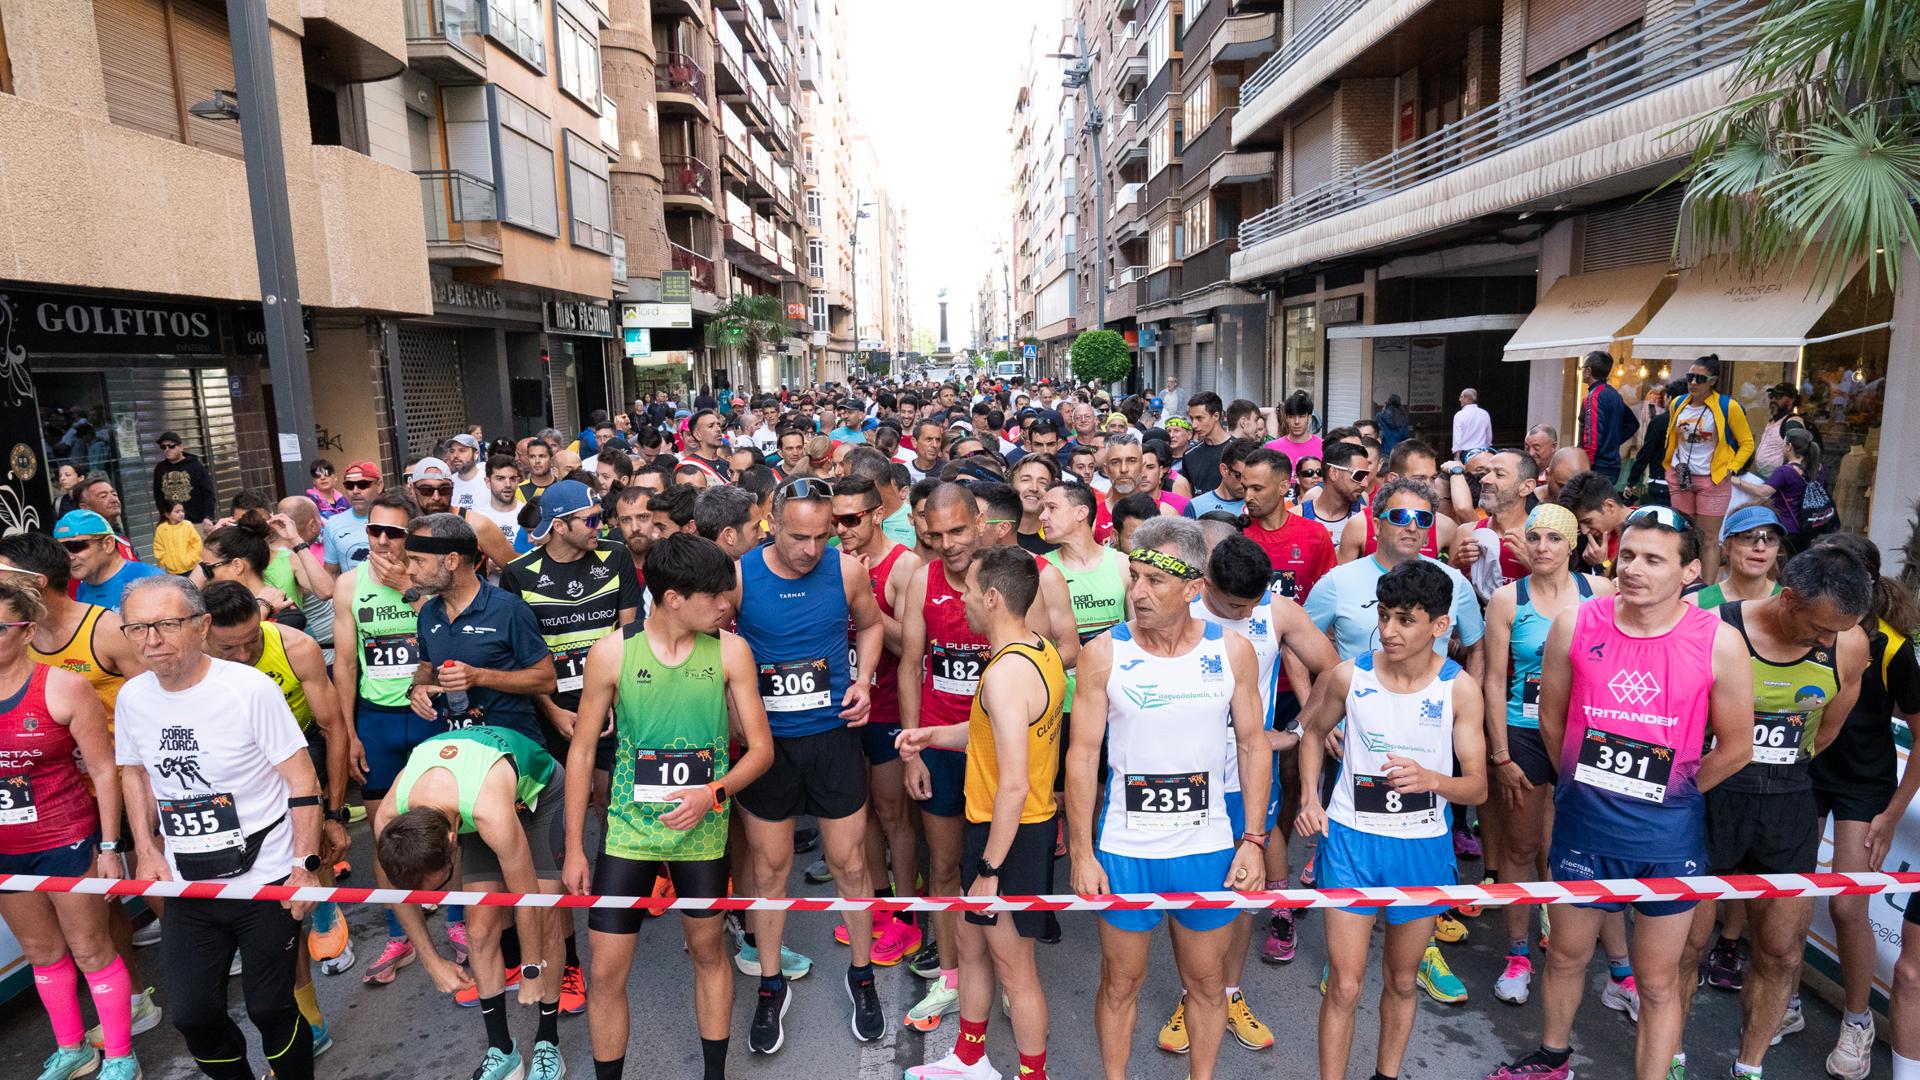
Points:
1026	871
1567	864
877	741
1774	833
1862	802
1352	859
1206	872
615	876
389	735
1529	752
545	826
824	775
948	768
66	860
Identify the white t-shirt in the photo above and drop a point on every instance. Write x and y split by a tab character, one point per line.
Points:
1695	424
468	494
210	752
766	440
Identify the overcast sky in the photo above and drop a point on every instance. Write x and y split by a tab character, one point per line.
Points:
934	85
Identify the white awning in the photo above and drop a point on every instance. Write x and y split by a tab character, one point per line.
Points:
1766	316
1583	312
1464	324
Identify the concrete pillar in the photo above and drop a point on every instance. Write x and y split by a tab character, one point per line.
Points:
1513	47
1896	484
1547	379
626	64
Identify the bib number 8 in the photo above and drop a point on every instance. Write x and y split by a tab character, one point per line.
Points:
1393	802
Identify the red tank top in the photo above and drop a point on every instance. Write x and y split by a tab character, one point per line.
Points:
1431	549
44	802
955	654
884	693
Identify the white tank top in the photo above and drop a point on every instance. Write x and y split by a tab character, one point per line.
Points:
1382	723
1259	631
1167	725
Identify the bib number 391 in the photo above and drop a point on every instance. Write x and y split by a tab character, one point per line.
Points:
795	685
1378	808
1158	802
1624	766
657	774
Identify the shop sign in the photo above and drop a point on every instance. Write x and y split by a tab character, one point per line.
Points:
43	324
657	316
590	318
637	341
671	358
251	334
466	294
1149	337
676	287
796	311
1340	309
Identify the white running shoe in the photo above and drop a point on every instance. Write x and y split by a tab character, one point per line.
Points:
1516	985
1622	996
1852	1057
949	1068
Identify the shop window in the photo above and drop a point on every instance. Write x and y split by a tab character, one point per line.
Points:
1442	96
579	56
589	199
1301	340
518	27
160	57
525	164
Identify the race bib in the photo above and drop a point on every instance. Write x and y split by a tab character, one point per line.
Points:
956	668
201	825
1530	698
1624	766
570	667
659	773
1377	808
1160	802
795	685
1283	583
1776	737
16	801
395	656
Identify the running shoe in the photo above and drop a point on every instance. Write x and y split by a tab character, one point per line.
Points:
501	1065
1448	928
573	992
1306	872
233	968
120	1068
397	953
1438	980
457	937
1173	1033
1244	1026
1621	995
1325	970
1793	1021
817	873
767	1033
894	944
1516	985
840	931
1676	1069
950	1068
1852	1057
805	840
925	963
1726	965
67	1062
342	962
1465	844
1534	1066
546	1063
867	1023
1472	911
146	1017
148	935
356	814
322	1037
327	944
1546	925
792	964
940	1000
1278	948
470	997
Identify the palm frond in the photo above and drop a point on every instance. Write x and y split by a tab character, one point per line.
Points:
1853	188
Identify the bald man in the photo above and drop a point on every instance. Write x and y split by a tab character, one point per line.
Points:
1565	464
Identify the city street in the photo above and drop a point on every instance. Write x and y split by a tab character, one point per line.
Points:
405	1031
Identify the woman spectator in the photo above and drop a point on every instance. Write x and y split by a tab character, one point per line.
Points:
1787	486
330	499
1708	444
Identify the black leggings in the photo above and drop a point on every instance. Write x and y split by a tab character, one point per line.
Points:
198	943
615	876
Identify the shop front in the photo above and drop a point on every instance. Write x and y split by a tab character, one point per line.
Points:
580	376
1604	311
661	347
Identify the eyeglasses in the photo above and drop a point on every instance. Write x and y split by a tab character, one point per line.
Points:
167	627
424	488
356	485
388	532
1699	377
1765	536
807	487
1660	517
1359	475
1404	517
75	547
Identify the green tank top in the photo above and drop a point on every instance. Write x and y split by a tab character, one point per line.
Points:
279	574
385	630
469	754
1788	701
1716	594
1099	595
670	725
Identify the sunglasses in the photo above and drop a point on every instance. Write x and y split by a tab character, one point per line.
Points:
1765	536
207	568
75	547
1404	517
445	488
848	521
1308	474
1359	475
388	532
1699	377
321	474
807	487
356	485
1661	517
169	445
591	521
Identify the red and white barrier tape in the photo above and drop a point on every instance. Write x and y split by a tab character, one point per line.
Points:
1727	887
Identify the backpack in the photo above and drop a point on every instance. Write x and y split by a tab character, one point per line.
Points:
1817	512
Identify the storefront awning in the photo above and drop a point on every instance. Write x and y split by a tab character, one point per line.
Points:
1584	312
1464	324
1765	316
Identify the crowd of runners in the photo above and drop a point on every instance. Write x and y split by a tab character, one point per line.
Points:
954	634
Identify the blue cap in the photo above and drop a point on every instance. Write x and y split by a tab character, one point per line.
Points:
869	423
80	524
1748	518
559	500
1157	403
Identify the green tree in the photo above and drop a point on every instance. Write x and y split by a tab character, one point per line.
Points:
1100	356
1000	356
1820	146
748	323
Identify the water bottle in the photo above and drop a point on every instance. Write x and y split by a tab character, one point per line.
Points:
456	699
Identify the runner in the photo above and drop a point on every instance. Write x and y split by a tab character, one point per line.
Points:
796	596
81	638
1097	576
51	824
538	470
730	517
484	801
1156	461
502	504
219	787
1411	715
705	448
1493	552
1032	476
431	483
1620	692
1230	495
1012	743
1765	819
1343	490
1163	825
98	572
1752	539
1342	602
1411	460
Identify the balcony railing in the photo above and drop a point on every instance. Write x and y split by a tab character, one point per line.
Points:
453	21
687	175
1633	67
1317	30
459	208
1127	276
1157	287
699	268
1128	198
678	73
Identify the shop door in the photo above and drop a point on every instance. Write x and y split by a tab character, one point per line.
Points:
432	389
562	371
1206	369
1343	383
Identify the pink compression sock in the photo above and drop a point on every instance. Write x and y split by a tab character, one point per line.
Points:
112	990
59	987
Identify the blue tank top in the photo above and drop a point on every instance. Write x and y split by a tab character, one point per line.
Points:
1530	629
797	628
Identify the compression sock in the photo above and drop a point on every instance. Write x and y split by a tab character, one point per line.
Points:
510	947
1619	968
713	1056
950	978
493	1011
609	1070
59	988
1033	1066
1905	1068
573	951
549	1028
972	1045
309	1002
112	990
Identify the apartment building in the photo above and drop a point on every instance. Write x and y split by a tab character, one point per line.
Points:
1047	116
129	292
884	330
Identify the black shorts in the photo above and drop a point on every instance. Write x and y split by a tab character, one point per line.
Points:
824	775
546	829
1862	802
1026	871
615	876
1776	833
1529	752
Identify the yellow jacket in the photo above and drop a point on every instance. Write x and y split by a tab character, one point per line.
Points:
176	547
1729	419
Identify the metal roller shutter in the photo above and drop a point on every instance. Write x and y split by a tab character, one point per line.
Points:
1557	29
197	403
1640	232
1343	382
1206	369
562	370
432	388
205	54
1313	151
137	69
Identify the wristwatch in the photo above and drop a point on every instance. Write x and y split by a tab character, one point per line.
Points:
342	815
719	792
532	971
107	847
986	869
309	863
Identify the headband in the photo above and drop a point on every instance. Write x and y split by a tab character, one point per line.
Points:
1178	567
1556	518
444	545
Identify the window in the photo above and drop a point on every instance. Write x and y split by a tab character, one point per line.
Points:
160	57
817	258
817	310
813	208
1442	95
1199	103
1157	144
1301	340
589	199
579	58
1160	246
1159	41
517	25
524	142
1199	223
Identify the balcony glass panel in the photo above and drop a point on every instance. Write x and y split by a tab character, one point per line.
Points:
454	21
459	208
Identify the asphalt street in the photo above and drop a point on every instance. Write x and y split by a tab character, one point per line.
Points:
406	1030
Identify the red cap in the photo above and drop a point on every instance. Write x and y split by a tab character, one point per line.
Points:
361	470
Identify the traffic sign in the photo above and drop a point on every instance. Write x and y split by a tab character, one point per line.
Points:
1029	352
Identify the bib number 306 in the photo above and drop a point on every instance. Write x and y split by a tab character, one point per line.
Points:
795	685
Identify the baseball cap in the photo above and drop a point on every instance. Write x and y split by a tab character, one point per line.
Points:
850	403
79	525
361	470
1784	389
1745	519
466	440
429	467
869	424
559	500
167	437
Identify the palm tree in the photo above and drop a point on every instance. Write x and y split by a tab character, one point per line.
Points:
749	323
1820	147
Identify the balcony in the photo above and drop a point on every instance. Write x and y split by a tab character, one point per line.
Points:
1125	7
1127	200
1210	266
753	20
1595	122
1130	73
1127	276
682	9
1160	187
1134	150
1159	287
1246	37
444	42
688	182
462	219
1208	143
699	268
680	83
1127	35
